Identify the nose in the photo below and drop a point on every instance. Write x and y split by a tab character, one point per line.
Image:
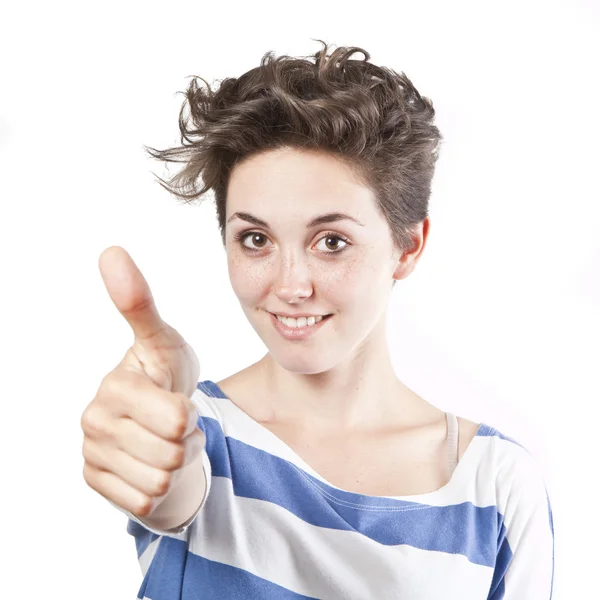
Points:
293	282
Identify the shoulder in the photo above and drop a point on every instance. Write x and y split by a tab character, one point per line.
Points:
522	497
518	473
503	458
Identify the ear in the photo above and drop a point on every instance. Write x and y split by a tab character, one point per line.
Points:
408	260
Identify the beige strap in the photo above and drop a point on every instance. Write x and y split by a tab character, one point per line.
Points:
452	422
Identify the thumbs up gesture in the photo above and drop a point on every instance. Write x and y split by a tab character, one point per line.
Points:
140	429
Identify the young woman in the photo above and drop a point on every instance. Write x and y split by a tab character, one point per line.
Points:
321	474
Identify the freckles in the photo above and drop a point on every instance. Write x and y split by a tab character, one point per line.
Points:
234	267
247	277
255	275
340	276
355	267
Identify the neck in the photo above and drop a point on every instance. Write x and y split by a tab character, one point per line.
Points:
360	392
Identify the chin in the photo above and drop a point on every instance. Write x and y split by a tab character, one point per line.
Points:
304	362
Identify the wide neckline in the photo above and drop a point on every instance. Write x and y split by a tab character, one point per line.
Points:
217	392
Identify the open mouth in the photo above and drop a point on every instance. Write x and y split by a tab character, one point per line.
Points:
300	322
298	328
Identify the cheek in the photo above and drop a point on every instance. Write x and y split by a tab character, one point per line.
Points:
358	290
344	279
247	278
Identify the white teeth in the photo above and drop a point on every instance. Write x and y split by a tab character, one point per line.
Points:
300	322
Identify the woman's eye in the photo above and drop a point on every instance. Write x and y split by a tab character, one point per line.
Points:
258	240
331	243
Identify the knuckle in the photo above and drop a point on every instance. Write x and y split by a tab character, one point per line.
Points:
108	385
93	422
161	483
178	427
178	422
88	418
177	457
89	475
143	506
112	388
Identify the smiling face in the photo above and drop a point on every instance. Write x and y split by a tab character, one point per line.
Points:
303	237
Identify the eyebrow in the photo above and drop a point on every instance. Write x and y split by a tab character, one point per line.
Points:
320	220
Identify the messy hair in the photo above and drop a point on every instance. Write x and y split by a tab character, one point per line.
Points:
370	117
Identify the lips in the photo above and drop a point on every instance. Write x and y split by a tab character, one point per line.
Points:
298	333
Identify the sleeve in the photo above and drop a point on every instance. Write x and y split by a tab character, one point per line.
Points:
206	411
182	528
525	559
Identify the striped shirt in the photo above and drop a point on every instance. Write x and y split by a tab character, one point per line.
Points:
270	527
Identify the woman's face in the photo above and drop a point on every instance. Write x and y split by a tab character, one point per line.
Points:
303	238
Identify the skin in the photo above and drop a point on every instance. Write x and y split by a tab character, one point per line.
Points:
337	388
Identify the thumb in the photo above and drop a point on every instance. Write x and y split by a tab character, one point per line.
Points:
130	292
159	350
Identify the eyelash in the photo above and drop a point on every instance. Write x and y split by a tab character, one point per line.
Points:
240	237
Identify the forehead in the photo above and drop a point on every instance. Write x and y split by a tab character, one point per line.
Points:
296	183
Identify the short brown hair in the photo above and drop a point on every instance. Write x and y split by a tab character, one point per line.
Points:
370	117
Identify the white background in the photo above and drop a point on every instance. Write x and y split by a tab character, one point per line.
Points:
499	323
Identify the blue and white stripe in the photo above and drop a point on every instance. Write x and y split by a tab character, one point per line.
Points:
271	527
